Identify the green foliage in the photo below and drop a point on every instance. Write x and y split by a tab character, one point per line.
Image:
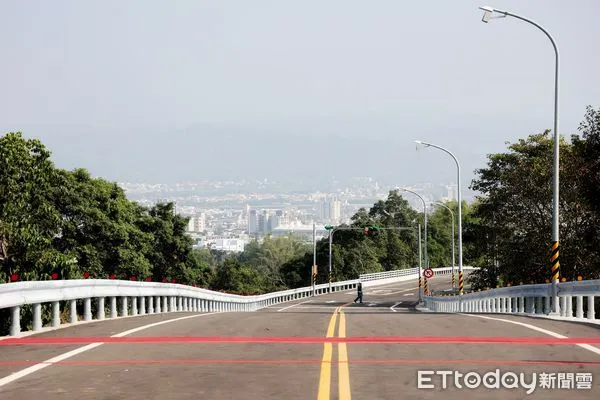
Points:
28	218
514	213
234	277
68	223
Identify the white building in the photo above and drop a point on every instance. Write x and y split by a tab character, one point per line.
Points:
197	223
452	193
227	244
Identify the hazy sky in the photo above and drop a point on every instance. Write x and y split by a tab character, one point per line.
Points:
180	90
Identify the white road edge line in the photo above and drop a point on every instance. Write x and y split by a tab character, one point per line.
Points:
536	328
34	368
293	305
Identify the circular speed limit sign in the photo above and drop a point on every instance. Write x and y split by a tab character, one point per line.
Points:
428	272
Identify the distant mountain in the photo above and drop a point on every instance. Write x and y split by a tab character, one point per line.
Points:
301	156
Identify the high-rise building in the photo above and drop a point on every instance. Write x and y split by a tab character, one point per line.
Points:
335	211
252	222
273	221
331	211
263	220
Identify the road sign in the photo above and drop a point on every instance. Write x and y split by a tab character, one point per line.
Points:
428	273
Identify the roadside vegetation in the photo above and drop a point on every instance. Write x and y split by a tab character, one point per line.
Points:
59	224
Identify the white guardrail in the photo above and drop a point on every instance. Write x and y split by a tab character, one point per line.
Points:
524	299
142	298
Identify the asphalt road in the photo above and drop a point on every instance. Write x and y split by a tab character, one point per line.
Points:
294	351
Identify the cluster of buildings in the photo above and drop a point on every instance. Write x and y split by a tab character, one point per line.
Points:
228	215
233	229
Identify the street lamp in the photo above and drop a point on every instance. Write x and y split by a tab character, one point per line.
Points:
554	259
439	203
314	267
332	229
419	246
425	217
460	260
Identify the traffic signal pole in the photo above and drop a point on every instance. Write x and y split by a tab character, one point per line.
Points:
330	241
333	229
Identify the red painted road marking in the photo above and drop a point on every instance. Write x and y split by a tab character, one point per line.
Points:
296	362
357	340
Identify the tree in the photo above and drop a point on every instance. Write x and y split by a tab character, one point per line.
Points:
171	245
232	276
589	151
28	219
515	213
100	228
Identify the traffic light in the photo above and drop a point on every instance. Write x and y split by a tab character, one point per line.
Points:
328	227
373	228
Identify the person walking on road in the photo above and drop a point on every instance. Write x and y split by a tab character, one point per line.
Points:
360	294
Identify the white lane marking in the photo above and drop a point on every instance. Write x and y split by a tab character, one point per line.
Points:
390	293
536	328
293	305
392	307
34	368
409	294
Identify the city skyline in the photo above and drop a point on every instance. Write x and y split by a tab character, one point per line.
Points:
229	221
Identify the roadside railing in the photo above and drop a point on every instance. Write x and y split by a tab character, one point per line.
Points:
409	273
108	298
576	300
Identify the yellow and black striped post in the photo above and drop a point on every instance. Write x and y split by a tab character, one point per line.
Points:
315	278
554	260
453	280
420	285
460	282
330	277
425	288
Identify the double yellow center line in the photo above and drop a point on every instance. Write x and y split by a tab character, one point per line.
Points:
343	372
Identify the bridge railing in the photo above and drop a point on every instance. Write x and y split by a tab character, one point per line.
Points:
110	298
574	298
401	274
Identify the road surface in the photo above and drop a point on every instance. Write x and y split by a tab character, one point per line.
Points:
294	351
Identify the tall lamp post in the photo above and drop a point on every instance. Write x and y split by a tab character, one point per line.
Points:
439	203
425	217
314	267
554	259
419	247
425	233
332	229
460	258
